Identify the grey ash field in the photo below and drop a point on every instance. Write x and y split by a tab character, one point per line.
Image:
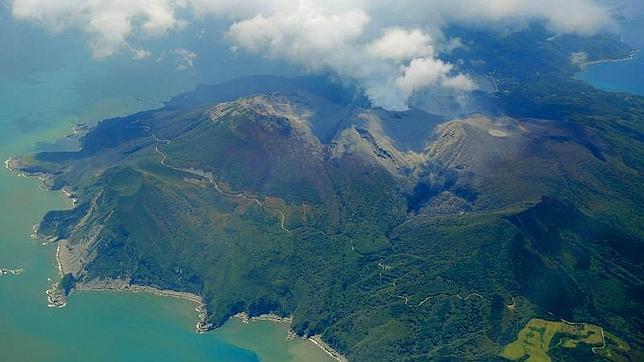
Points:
394	235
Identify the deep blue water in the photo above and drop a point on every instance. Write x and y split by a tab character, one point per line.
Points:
627	76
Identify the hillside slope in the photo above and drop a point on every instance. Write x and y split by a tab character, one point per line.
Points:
394	235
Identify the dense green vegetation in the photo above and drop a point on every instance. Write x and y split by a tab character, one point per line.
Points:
67	283
389	249
539	340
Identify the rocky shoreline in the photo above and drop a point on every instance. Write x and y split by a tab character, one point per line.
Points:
245	318
316	339
13	164
57	298
203	325
4	271
120	285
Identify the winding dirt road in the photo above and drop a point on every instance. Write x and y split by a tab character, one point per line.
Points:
208	176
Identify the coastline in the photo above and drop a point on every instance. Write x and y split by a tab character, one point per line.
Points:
59	263
316	339
6	271
121	285
203	325
245	318
585	65
12	164
58	299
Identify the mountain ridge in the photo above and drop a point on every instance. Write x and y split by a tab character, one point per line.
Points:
393	235
272	137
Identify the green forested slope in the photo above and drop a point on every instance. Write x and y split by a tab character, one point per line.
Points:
305	202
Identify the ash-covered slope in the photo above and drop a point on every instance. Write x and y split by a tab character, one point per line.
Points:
393	235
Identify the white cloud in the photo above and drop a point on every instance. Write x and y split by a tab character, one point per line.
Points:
428	72
139	54
399	44
239	9
334	37
384	44
109	22
569	16
578	58
458	82
306	35
184	58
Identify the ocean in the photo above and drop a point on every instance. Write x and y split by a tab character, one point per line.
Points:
47	84
626	76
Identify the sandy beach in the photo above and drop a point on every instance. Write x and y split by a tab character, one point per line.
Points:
317	339
631	56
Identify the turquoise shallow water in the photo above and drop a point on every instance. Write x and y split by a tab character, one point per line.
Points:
46	85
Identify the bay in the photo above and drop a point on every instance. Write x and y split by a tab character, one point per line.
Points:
47	84
623	76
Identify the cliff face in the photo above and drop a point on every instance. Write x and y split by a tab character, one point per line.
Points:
386	233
